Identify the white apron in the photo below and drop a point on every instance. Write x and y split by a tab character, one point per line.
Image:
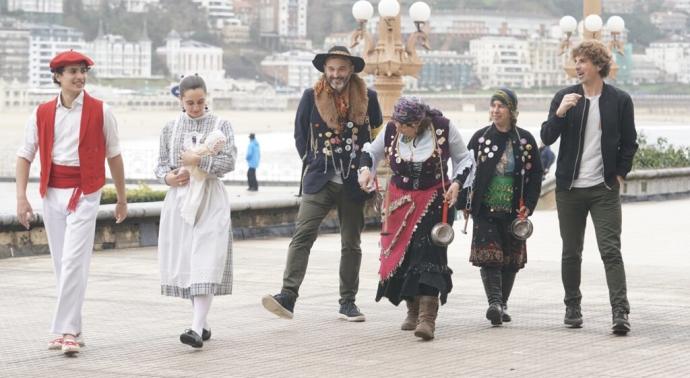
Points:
196	259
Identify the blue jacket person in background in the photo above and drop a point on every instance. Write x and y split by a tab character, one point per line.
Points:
253	157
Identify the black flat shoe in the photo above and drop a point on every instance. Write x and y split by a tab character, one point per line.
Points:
192	339
205	334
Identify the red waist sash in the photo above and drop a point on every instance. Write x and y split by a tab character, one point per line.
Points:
63	177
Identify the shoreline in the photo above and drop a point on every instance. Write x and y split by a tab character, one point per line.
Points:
135	125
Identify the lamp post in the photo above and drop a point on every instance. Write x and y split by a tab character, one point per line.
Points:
591	28
389	59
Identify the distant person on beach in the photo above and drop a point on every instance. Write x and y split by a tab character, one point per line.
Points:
596	124
195	239
547	157
75	134
253	157
419	143
333	122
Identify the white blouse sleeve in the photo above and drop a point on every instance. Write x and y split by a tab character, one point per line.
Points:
460	156
376	149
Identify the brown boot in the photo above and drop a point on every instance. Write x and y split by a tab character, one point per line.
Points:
410	322
428	309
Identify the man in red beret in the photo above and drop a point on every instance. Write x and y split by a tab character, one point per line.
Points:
74	134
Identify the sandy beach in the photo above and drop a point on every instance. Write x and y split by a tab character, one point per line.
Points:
146	124
140	130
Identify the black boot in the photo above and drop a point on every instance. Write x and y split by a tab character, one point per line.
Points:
491	277
507	280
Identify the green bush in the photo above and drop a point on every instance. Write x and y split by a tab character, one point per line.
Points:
142	193
660	155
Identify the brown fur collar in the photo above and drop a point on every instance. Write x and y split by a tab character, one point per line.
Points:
358	101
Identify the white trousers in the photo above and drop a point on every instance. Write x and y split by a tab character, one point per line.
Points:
70	238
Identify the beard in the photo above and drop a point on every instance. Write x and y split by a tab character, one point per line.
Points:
338	83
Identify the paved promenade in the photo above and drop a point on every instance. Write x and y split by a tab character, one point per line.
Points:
131	330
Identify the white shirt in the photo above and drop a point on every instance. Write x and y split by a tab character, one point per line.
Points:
66	140
422	148
592	164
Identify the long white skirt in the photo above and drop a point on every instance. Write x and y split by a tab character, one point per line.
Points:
196	260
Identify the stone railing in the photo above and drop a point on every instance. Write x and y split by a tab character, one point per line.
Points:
254	218
640	185
251	218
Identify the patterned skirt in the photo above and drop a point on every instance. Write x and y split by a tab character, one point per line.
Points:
424	263
493	245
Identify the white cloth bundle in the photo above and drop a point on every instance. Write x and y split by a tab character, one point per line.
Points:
215	141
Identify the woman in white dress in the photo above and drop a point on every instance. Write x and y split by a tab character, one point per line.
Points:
195	237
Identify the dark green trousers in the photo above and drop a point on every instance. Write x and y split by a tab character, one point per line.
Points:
604	205
312	210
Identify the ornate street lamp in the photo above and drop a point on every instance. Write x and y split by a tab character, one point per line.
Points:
591	28
389	59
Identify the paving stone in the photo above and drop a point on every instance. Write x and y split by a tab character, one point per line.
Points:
132	331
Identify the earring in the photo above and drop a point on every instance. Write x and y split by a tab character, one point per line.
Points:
206	107
183	110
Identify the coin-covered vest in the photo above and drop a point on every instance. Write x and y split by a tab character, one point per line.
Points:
410	176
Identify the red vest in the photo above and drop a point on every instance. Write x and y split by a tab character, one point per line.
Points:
91	143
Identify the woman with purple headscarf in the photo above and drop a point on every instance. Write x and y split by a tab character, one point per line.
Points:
418	143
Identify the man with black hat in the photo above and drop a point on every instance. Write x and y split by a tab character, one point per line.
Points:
333	121
74	134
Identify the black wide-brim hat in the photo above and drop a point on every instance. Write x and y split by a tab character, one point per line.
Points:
339	52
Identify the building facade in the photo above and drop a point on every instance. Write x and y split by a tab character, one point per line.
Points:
670	22
219	12
292	70
546	62
35	6
283	22
502	61
15	41
681	5
133	6
445	70
669	55
644	70
46	42
619	6
118	58
186	56
472	25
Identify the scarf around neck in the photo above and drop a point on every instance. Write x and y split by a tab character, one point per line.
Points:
352	104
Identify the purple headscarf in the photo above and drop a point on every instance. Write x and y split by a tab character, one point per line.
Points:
409	110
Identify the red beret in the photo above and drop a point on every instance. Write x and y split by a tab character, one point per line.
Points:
67	58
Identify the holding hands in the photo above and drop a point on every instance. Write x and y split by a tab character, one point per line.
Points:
366	180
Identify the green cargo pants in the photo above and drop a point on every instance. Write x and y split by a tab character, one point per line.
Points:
313	209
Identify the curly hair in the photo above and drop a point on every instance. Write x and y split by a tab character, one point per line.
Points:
597	53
